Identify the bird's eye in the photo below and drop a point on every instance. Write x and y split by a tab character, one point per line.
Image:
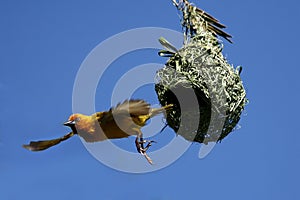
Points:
77	119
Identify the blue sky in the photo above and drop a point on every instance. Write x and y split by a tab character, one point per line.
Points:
43	44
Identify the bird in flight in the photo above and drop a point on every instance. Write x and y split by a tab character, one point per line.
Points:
122	121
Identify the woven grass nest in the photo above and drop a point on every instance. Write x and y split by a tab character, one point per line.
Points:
198	72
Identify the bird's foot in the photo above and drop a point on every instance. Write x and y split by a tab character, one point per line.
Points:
142	150
148	145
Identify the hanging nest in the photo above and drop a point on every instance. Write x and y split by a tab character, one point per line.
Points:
198	72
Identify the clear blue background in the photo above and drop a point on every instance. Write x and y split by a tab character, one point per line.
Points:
43	44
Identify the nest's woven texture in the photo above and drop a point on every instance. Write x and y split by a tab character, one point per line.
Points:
199	66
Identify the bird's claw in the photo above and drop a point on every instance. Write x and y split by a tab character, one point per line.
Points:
147	146
142	150
140	145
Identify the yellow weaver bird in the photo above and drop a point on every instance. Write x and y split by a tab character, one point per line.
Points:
125	119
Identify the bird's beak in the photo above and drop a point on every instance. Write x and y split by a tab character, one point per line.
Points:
69	123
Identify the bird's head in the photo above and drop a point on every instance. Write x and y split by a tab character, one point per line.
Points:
81	124
73	119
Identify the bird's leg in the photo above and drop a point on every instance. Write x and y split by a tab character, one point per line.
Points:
139	143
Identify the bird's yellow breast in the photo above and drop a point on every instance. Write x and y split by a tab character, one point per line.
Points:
102	126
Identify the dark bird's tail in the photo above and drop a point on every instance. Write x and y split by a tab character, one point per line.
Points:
45	144
201	18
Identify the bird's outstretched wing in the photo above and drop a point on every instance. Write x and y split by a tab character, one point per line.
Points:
45	144
124	113
136	107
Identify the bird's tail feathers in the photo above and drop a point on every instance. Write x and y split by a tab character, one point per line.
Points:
156	111
45	144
